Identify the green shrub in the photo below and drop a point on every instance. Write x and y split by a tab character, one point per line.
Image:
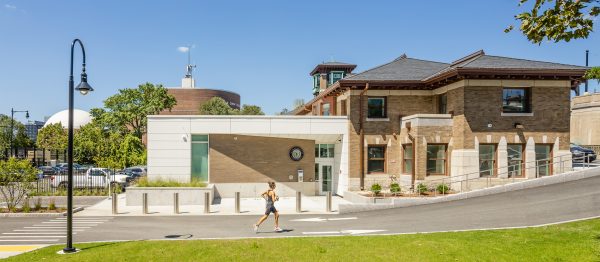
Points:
51	204
26	206
421	188
144	182
443	188
376	188
38	204
395	188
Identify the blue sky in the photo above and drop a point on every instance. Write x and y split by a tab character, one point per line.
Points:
262	50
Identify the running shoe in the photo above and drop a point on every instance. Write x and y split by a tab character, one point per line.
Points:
255	228
278	229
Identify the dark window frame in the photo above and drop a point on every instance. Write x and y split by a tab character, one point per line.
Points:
411	159
385	105
527	107
384	147
495	159
522	165
445	160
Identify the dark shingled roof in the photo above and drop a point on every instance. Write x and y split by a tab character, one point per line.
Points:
401	69
499	62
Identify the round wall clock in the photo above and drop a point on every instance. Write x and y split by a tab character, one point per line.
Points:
296	153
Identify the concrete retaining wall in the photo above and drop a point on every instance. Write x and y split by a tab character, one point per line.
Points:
163	196
362	203
250	190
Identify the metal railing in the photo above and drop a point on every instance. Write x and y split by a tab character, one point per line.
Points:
84	183
499	176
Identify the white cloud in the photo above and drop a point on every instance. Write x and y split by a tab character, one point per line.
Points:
183	49
9	6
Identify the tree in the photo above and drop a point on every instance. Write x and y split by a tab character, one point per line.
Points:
16	177
562	20
20	138
251	110
52	137
129	108
593	73
216	106
86	143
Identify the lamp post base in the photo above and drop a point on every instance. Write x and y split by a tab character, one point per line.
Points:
68	251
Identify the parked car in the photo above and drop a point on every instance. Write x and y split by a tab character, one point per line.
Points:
77	168
581	154
93	178
47	171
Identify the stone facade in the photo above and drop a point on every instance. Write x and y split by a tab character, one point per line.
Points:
585	120
475	112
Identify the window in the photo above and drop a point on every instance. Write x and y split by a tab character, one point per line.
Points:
334	76
515	160
326	109
376	159
408	158
436	159
516	100
442	104
200	157
487	160
376	107
543	159
317	172
324	150
316	84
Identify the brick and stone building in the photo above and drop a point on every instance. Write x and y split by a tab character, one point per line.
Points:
417	120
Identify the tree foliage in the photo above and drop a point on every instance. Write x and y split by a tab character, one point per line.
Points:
218	106
16	177
52	137
593	73
20	138
129	108
557	20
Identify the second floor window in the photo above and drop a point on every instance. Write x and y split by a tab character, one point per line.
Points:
442	104
376	107
334	76
326	109
516	100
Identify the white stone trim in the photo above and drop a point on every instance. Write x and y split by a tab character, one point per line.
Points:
516	114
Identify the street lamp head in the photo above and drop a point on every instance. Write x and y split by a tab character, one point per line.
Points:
84	88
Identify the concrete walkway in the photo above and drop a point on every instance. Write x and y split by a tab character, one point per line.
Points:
249	206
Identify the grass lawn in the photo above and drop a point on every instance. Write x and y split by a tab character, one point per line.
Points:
578	241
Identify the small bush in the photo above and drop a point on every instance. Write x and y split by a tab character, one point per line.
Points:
26	206
395	188
144	182
51	204
421	188
443	188
38	204
376	188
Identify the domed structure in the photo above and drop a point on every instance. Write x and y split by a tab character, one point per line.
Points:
80	118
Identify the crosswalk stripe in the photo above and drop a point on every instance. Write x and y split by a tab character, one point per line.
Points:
34	233
45	230
28	240
49	226
29	236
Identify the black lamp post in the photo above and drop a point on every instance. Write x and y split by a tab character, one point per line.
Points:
83	88
12	125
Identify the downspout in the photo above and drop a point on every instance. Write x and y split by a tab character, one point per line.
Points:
362	138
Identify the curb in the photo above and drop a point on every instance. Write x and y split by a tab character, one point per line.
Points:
75	210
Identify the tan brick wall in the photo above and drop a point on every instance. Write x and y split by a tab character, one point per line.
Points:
258	159
190	100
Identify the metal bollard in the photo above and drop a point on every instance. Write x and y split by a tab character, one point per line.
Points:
176	203
328	204
145	203
115	204
298	202
206	202
237	202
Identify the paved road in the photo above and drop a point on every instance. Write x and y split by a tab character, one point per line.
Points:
549	204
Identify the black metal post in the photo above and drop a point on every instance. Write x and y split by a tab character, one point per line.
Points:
587	54
69	248
12	126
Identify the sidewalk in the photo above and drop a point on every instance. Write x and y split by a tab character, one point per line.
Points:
248	206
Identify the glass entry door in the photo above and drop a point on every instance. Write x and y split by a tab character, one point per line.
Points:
324	177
